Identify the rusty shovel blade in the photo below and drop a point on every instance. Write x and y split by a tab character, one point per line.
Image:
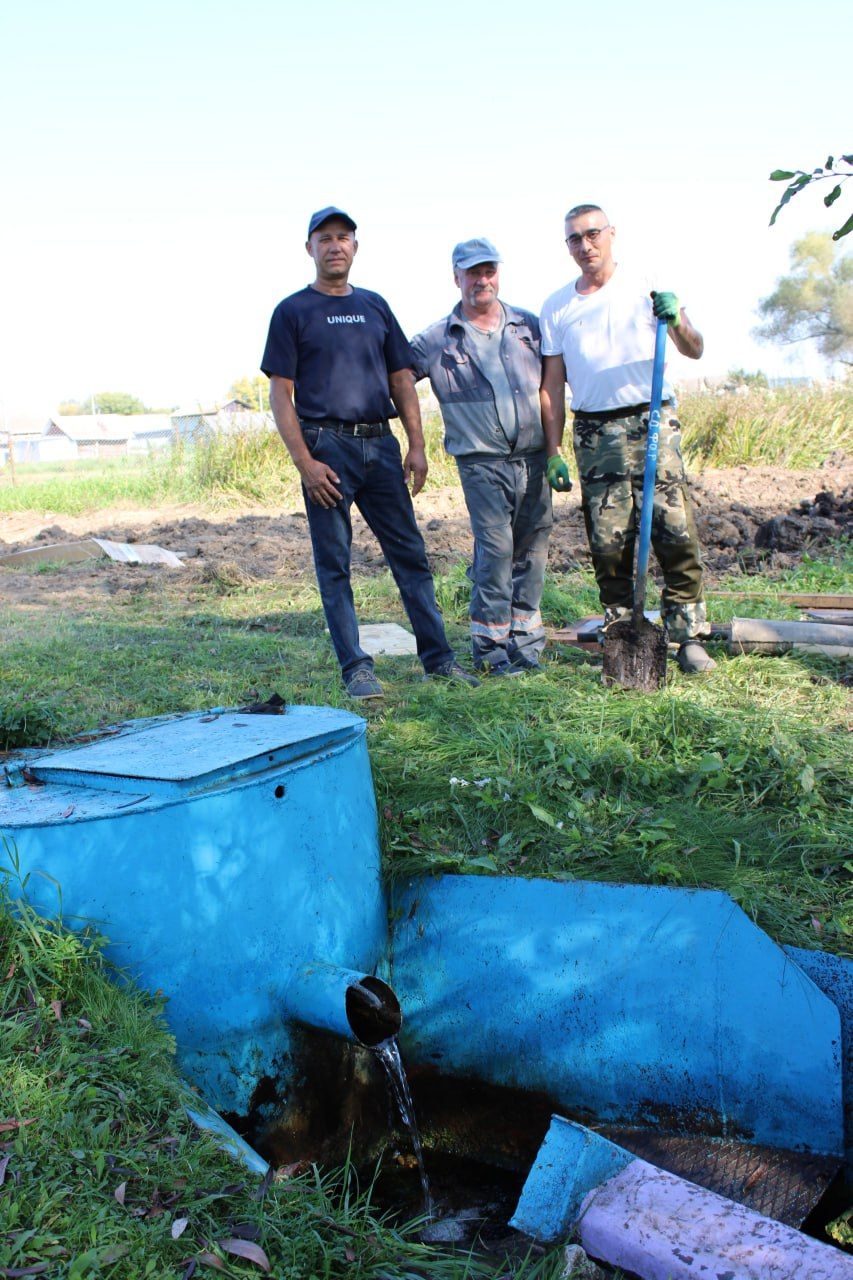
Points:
634	655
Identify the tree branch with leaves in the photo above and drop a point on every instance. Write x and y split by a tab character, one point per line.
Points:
798	179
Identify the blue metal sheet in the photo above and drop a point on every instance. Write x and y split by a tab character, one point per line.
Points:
223	854
834	976
195	750
229	1140
571	1162
625	1003
28	806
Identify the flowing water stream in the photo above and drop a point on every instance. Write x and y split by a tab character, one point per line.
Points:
388	1053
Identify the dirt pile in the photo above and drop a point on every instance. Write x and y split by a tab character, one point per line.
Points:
812	524
747	517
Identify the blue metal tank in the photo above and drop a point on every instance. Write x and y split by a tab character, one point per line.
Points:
221	853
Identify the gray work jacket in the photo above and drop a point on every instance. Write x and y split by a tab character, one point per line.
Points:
442	355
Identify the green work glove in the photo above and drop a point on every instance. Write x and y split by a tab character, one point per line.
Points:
558	474
666	307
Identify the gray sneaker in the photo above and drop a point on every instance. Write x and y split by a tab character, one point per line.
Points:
362	684
452	671
693	658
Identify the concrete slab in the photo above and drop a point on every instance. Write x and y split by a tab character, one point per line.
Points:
386	638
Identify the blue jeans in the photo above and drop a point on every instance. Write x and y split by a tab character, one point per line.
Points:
371	476
509	504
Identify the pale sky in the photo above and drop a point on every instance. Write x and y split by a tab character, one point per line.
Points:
160	161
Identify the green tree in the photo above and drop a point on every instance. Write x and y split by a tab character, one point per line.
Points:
836	171
743	378
118	402
105	402
815	302
252	391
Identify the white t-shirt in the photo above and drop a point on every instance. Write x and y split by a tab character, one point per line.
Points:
607	341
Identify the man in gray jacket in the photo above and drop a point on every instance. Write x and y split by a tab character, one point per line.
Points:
484	367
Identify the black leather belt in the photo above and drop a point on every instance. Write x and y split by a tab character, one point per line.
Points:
609	415
363	429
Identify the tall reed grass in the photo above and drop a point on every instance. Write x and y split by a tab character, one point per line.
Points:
790	427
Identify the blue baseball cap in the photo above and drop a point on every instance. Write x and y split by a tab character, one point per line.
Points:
470	253
323	215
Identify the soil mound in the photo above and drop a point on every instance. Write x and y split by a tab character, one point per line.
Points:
747	517
811	524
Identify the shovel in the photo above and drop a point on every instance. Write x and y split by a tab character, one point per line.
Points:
635	649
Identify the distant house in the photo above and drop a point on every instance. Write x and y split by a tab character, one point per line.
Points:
226	419
150	431
21	432
106	435
798	380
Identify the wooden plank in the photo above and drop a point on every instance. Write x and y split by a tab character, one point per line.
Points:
803	600
582	634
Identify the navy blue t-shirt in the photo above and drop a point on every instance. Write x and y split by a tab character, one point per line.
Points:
338	351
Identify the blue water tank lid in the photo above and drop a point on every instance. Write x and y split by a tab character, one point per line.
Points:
198	748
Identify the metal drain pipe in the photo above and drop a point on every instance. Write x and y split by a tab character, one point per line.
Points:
356	1006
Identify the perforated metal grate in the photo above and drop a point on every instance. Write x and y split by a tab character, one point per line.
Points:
785	1185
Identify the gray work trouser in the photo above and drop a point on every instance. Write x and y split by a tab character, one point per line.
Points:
509	504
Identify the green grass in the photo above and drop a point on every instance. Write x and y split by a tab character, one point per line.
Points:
789	427
104	1176
86	485
740	781
830	572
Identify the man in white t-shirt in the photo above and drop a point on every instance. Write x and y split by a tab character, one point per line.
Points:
598	334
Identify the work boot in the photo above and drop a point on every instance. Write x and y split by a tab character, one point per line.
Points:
693	658
451	670
503	668
527	666
362	684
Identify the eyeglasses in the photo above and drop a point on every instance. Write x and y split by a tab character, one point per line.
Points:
574	241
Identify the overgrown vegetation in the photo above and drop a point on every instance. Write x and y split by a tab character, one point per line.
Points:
103	1175
785	427
90	484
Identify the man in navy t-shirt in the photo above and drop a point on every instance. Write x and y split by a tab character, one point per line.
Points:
339	368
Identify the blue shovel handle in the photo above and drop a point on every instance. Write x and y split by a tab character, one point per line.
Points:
650	473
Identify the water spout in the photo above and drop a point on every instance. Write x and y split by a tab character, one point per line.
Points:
354	1005
363	1009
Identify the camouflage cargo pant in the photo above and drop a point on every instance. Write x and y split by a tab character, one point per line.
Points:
610	455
